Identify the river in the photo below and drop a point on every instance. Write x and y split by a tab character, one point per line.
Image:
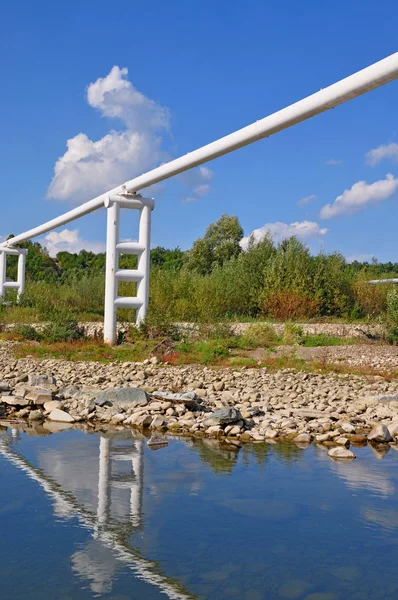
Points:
103	516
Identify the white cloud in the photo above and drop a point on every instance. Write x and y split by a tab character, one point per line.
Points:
360	195
334	162
373	157
303	230
69	240
198	192
306	200
91	167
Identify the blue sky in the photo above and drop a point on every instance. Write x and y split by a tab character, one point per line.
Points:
169	77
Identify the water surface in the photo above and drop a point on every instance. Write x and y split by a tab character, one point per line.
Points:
103	516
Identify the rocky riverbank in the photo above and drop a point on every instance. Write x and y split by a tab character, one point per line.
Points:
235	406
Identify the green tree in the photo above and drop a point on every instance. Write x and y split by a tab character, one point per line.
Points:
219	244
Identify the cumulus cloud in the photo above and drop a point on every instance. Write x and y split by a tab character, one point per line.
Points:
69	240
334	162
306	200
389	151
303	230
90	167
360	195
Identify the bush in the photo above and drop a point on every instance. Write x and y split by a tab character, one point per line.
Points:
289	304
259	335
292	334
392	315
27	332
371	298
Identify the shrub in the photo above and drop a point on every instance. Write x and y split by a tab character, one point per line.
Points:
27	332
392	315
259	335
371	298
292	334
289	304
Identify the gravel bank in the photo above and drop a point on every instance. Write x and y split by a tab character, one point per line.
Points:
235	406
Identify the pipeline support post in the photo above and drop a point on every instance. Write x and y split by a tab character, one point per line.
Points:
115	247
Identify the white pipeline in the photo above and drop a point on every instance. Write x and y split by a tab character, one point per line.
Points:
361	82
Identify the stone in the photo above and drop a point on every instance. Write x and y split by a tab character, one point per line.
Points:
51	405
341	452
308	414
342	441
270	434
4	386
157	441
393	428
358	439
223	417
61	416
188	399
158	421
154	360
143	421
39	397
303	438
380	434
41	380
13	401
348	427
36	415
123	397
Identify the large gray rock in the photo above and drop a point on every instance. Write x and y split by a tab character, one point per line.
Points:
4	386
341	452
41	380
380	434
308	413
223	417
189	399
61	416
123	397
39	397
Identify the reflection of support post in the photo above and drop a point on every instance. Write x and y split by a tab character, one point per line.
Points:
103	481
136	488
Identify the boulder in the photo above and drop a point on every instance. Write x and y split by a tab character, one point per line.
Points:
380	434
61	416
39	397
13	401
41	380
223	417
36	415
303	438
341	452
4	386
189	399
124	397
52	405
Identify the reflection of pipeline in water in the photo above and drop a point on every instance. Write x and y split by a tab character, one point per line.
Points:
66	505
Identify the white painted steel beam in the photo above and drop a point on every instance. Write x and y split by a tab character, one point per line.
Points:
129	275
128	302
130	248
359	83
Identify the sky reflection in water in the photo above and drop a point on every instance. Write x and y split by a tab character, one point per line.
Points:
87	516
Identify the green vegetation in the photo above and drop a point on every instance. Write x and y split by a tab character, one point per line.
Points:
214	281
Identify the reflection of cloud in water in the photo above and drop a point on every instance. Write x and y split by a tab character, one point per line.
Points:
386	519
360	477
98	564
